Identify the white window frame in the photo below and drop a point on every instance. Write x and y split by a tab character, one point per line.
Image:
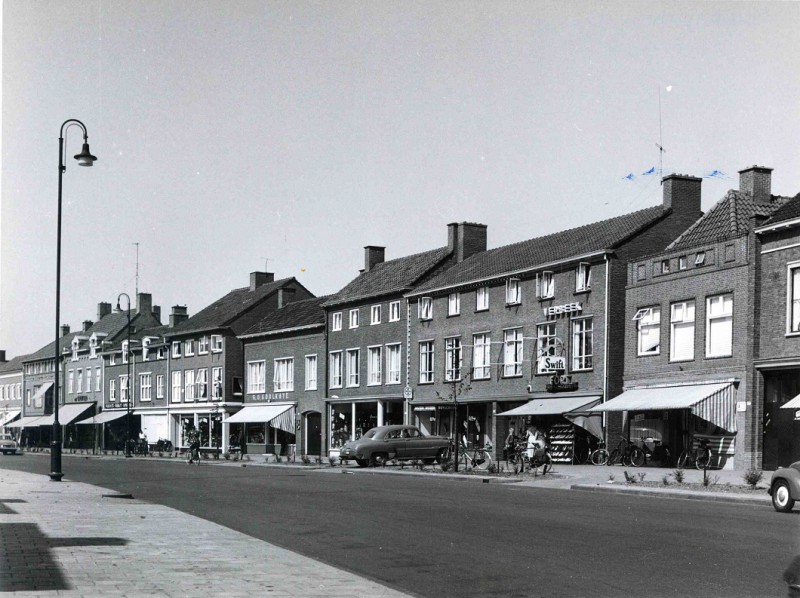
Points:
583	277
98	379
453	352
189	387
375	314
353	367
203	345
177	386
717	320
546	343
793	298
123	388
112	391
648	324
513	350
700	258
454	304
336	369
336	321
513	291
256	377
311	372
665	267
201	382
176	349
283	374
425	308
216	343
582	328
682	317
216	383
188	348
374	365
146	386
352	318
545	285
427	360
394	357
160	386
482	299
683	263
125	351
70	381
79	380
394	311
481	356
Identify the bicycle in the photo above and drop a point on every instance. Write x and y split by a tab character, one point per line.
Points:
193	455
480	457
518	457
627	454
660	451
700	456
599	456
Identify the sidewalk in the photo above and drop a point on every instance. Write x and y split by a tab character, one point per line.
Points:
74	539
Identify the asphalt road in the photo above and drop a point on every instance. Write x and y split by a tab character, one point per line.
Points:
447	538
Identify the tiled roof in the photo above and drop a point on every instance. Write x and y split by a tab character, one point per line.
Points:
12	365
393	276
220	313
728	219
48	352
788	211
562	245
296	314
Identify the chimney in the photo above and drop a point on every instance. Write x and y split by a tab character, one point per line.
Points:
465	239
3	356
178	315
285	295
87	324
144	303
258	279
757	182
682	193
373	255
103	309
157	312
64	330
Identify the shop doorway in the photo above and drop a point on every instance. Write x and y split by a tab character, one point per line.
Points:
781	429
313	433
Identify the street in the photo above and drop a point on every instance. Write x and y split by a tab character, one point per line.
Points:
437	537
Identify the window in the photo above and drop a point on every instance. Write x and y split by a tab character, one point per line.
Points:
256	377
648	331
188	349
375	315
202	346
70	381
482	299
665	266
545	285
112	391
353	365
512	352
125	351
681	341
311	372
682	263
79	376
425	307
176	348
393	353
545	344
123	388
481	356
98	383
582	344
394	311
216	384
216	343
160	386
793	300
513	291
189	388
283	374
583	277
145	348
425	362
145	387
374	366
336	321
719	326
700	258
177	386
454	304
202	384
453	359
336	369
353	318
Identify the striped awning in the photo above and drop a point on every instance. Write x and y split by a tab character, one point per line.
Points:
66	414
553	405
7	417
277	416
715	403
26	422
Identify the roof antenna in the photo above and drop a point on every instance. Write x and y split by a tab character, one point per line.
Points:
137	274
659	145
267	260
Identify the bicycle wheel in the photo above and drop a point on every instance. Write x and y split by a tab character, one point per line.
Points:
684	458
614	457
547	463
599	457
703	459
636	457
581	455
482	460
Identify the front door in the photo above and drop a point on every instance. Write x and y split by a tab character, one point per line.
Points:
313	433
781	427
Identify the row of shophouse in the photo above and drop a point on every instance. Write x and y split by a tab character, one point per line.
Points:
664	322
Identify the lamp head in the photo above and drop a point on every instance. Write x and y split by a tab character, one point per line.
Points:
85	158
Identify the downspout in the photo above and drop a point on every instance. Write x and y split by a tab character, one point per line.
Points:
325	422
605	351
406	407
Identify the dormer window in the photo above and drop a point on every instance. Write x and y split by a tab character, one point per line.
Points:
545	285
700	258
124	351
145	348
93	347
75	345
583	277
665	266
425	308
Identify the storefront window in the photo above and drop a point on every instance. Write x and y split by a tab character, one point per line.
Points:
366	417
186	424
341	416
256	433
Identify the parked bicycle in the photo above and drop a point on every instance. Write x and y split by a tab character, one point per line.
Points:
518	458
476	457
699	456
627	454
599	456
655	450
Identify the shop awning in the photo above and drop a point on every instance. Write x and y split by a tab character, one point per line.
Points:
66	414
552	406
102	418
278	416
793	404
26	422
7	417
42	391
715	403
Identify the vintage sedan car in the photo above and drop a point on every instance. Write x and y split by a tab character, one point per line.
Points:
8	445
379	445
784	487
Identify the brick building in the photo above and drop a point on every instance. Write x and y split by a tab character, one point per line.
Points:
10	389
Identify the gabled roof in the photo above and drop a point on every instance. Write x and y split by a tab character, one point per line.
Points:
391	277
48	351
225	310
158	331
728	219
569	244
788	211
307	313
12	365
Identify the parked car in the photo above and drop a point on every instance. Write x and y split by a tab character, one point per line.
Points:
8	444
383	443
784	487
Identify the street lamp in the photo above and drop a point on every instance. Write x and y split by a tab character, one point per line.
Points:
85	158
129	395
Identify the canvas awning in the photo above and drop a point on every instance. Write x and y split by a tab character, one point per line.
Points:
7	417
793	404
278	416
102	418
41	392
66	414
26	422
715	403
552	406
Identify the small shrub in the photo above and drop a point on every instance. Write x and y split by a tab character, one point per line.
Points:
641	475
611	477
679	475
305	459
753	476
665	480
225	456
710	480
447	465
631	479
492	468
332	461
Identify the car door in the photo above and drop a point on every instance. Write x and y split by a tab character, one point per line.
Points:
417	446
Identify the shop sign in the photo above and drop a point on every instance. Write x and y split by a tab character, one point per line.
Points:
567	308
425	408
408	393
551	363
741	406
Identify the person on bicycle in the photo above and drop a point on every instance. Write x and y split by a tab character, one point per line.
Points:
193	439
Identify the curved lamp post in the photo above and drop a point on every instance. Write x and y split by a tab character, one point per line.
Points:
129	395
85	158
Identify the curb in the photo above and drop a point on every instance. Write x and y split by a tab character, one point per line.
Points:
681	494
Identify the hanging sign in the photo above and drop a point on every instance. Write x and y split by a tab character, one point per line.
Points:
551	363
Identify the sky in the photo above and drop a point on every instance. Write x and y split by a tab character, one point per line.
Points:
236	136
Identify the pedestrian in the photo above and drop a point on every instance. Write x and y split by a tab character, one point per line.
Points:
511	441
242	443
535	441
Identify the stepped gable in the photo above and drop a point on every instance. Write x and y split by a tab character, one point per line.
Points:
296	314
390	277
571	243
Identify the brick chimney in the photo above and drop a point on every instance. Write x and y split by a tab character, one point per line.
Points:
757	182
87	324
144	303
178	315
373	255
285	295
103	309
682	193
3	356
157	312
465	239
258	279
64	330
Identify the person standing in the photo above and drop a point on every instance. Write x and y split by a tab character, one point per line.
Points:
535	440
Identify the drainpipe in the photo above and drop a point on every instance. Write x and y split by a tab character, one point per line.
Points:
605	351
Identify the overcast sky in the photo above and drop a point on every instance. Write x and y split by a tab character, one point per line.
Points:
231	132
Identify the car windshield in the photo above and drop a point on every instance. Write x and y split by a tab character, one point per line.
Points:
370	433
6	437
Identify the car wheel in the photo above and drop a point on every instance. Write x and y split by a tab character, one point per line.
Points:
362	462
782	497
379	459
